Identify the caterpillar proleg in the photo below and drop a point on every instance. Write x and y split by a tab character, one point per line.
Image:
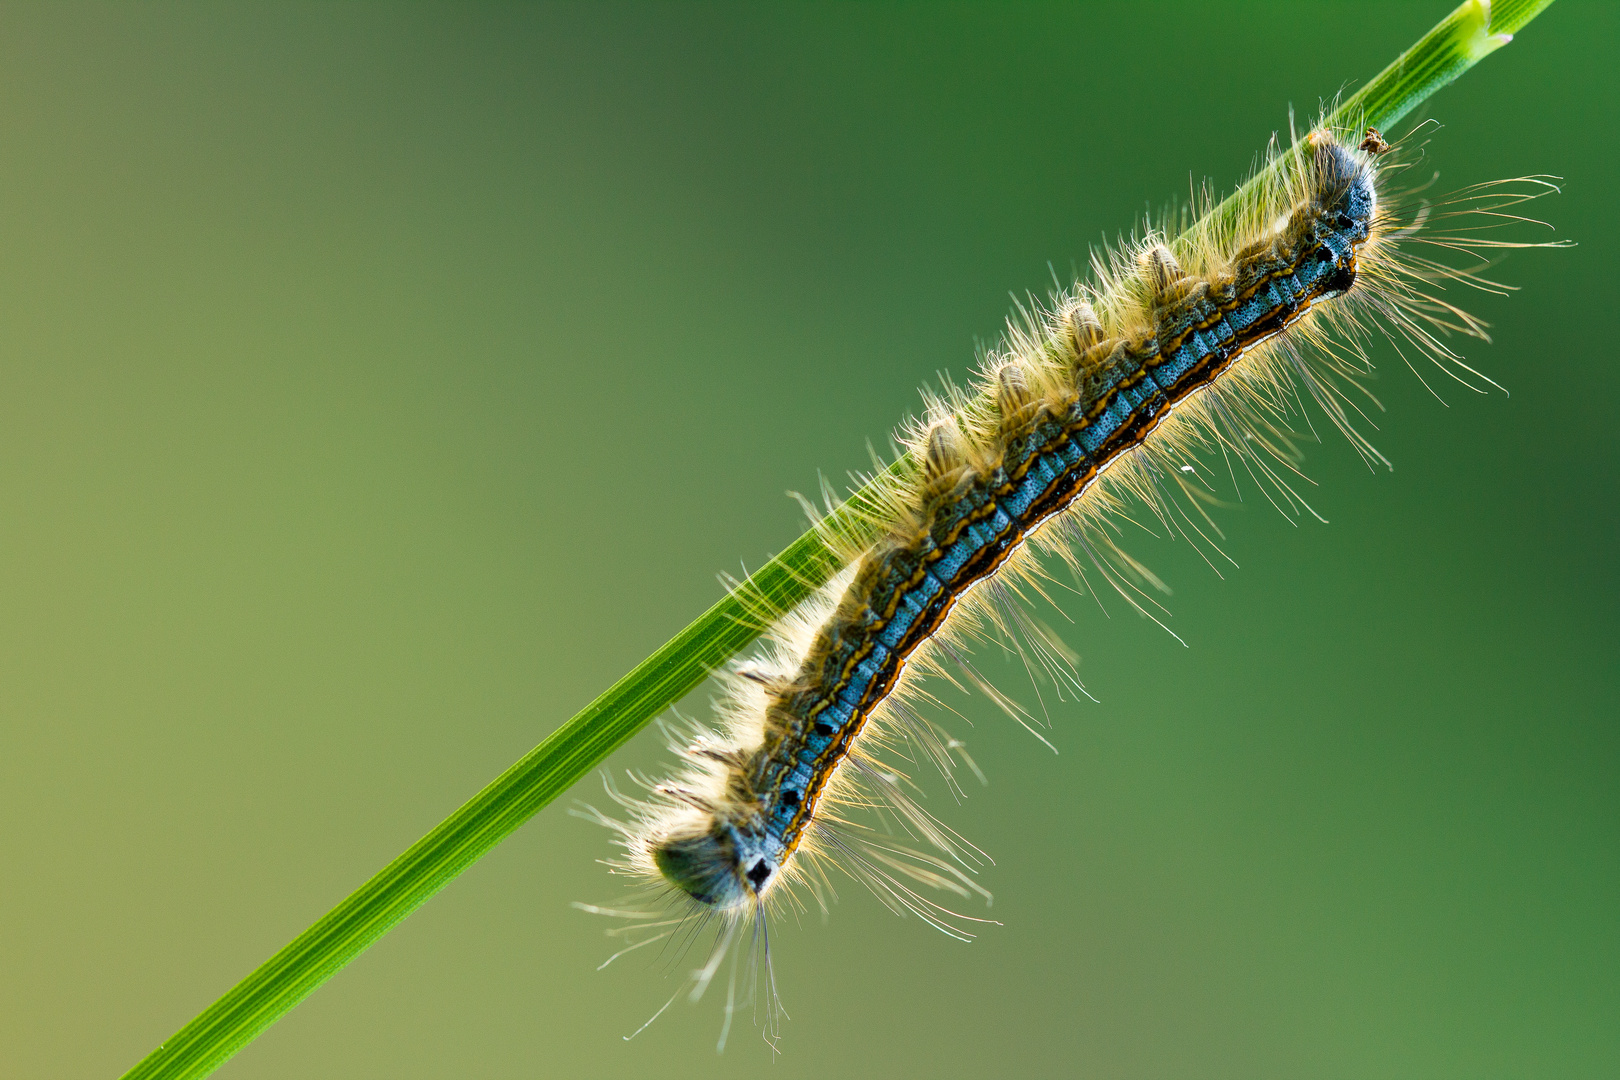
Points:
1206	342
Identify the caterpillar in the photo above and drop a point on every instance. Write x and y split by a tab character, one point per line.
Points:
1173	349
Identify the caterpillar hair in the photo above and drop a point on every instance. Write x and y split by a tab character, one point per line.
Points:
1205	341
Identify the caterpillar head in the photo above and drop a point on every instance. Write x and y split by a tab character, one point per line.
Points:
721	866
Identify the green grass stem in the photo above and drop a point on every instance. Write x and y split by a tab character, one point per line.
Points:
1463	38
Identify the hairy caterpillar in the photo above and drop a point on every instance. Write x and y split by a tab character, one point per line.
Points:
1172	348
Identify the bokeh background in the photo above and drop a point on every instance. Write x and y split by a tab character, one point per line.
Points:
378	384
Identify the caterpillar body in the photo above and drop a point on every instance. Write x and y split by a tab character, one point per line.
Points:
1200	343
1047	452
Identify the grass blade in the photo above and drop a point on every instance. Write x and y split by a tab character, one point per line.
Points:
1464	37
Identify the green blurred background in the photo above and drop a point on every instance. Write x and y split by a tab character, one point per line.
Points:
379	384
